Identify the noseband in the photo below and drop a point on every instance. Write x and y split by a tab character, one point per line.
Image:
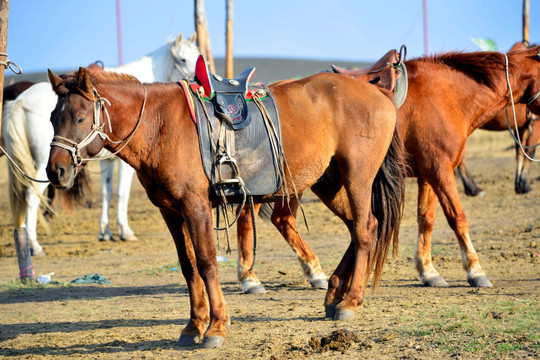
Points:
74	148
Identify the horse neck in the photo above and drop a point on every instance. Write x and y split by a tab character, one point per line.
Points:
143	150
152	67
476	103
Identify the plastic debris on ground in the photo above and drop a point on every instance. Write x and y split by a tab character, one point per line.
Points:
45	278
94	278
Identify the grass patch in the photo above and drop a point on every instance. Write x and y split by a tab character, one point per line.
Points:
159	270
503	328
18	284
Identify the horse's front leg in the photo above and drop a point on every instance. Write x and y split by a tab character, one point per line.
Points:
198	216
427	207
444	184
193	333
248	278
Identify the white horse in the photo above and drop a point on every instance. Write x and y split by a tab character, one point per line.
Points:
27	133
168	63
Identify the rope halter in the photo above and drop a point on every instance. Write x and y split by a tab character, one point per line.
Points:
74	148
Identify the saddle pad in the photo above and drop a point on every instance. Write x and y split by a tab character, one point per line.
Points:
253	152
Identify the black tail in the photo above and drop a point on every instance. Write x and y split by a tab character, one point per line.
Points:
387	202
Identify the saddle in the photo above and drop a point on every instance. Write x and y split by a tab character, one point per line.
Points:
239	132
389	72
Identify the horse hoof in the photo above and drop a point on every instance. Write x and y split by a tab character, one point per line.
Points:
188	340
344	315
106	237
320	284
38	252
131	237
252	287
330	311
479	281
211	342
435	281
255	289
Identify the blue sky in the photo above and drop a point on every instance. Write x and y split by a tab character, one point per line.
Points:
65	34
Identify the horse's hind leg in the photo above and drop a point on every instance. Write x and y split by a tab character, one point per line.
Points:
332	193
125	176
32	208
284	219
107	171
469	185
427	207
248	279
530	135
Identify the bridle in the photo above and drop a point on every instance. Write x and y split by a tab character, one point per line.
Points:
531	100
74	148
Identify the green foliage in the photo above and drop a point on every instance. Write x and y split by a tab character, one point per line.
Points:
499	327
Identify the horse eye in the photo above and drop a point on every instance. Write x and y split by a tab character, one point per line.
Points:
80	119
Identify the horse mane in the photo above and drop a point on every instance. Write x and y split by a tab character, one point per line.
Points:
482	66
107	77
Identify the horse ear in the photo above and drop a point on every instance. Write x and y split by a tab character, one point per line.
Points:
178	39
57	83
83	79
193	38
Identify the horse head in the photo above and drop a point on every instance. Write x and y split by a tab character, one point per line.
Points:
78	131
532	94
184	54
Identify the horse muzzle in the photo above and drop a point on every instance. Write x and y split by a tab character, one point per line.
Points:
61	174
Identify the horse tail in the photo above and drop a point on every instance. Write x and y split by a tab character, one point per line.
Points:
17	146
387	203
80	194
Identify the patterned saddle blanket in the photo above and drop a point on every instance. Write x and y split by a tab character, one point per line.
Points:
239	133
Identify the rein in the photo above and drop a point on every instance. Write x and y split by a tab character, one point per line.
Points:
533	98
97	130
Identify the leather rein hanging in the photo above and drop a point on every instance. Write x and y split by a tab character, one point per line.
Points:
74	148
533	98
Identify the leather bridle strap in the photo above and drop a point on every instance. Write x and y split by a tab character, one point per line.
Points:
74	148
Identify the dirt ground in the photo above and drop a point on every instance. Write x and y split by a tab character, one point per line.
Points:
140	314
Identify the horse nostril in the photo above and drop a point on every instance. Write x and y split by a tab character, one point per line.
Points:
60	171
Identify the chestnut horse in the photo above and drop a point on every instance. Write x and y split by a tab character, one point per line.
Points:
339	138
449	96
528	130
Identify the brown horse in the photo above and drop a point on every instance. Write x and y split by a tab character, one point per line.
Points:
338	137
528	129
449	96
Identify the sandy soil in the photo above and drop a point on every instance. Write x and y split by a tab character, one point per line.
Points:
141	312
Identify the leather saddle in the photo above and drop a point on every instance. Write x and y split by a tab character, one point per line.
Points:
389	72
228	95
238	128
